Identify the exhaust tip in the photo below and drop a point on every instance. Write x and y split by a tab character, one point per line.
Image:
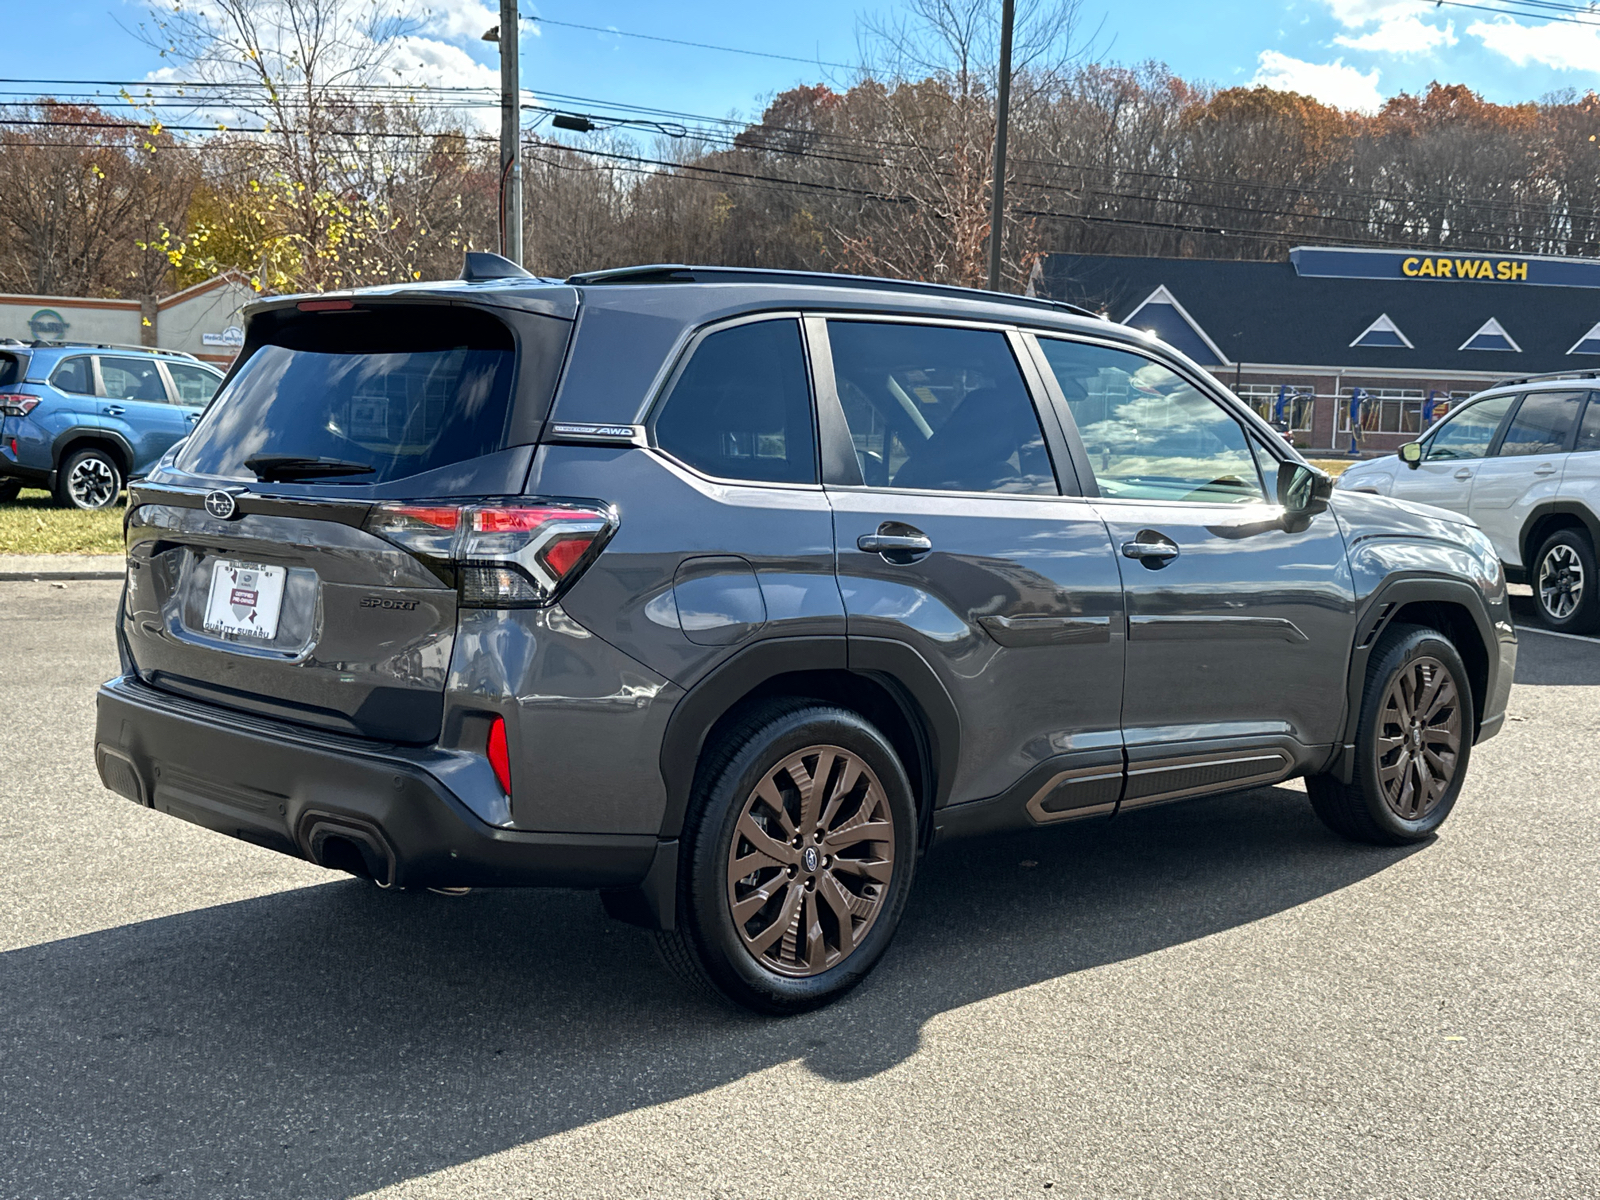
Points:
350	845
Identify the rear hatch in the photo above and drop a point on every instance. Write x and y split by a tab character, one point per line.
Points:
260	573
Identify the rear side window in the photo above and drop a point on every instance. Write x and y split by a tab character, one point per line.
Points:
1589	431
12	368
938	409
399	392
132	379
742	407
195	385
73	375
1543	424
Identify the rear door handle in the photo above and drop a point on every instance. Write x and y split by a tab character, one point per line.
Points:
1545	469
115	410
1463	473
889	543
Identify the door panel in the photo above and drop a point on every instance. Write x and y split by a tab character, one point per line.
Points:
1526	468
1452	456
134	403
952	538
1238	628
1243	634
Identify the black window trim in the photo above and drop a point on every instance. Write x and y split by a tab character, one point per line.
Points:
667	380
1248	419
842	471
1591	401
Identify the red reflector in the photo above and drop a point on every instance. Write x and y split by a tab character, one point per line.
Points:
520	520
325	305
499	756
561	556
439	516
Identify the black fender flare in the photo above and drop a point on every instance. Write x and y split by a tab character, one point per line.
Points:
1555	508
902	672
1374	616
91	434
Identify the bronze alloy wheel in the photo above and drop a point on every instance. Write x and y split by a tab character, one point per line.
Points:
1419	738
1560	582
811	860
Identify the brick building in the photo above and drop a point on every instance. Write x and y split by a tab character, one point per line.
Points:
1413	331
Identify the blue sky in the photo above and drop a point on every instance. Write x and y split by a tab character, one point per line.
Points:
1348	52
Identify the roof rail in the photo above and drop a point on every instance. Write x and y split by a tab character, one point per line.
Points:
42	344
1579	373
677	273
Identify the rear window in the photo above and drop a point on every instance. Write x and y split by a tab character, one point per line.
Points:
12	368
398	391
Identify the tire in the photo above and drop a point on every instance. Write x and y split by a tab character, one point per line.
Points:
89	479
1377	806
1566	588
851	899
10	489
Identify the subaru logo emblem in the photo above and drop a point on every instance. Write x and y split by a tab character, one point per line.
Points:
220	505
809	859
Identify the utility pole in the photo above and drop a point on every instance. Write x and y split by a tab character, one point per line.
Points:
511	134
997	194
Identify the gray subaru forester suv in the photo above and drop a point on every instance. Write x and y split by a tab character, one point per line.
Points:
728	592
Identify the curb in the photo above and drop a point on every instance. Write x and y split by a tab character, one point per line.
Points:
60	567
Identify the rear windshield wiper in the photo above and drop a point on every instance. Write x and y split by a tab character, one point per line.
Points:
285	468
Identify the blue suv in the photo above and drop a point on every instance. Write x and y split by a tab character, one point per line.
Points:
81	420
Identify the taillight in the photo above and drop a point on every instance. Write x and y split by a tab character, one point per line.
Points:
511	555
499	755
18	404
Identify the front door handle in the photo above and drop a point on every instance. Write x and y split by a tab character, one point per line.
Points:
115	410
890	543
1463	473
1152	549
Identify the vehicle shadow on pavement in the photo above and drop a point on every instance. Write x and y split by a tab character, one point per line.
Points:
335	1039
1545	661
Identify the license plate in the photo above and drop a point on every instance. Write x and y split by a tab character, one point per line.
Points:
245	599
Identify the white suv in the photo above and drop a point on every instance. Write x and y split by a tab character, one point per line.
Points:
1522	460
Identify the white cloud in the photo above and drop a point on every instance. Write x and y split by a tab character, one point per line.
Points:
427	62
1396	27
1562	45
1403	34
458	20
1332	83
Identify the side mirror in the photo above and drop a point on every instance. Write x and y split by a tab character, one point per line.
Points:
1303	490
1411	454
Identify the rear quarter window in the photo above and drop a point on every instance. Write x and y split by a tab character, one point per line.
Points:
398	390
12	368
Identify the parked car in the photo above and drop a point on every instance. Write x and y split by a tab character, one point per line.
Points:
728	592
1522	459
80	420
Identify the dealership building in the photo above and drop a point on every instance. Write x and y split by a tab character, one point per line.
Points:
1389	337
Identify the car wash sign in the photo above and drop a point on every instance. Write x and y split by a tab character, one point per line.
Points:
1352	262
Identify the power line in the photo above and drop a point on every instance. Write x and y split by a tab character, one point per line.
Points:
650	37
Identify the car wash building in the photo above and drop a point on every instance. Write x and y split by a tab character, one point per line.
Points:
1346	343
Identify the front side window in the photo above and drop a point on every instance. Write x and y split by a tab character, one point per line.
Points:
1543	425
195	385
742	407
132	379
1150	434
938	409
1467	433
73	375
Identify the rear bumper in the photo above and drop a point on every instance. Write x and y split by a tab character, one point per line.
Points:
333	802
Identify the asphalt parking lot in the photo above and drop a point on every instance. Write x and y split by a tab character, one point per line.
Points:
1209	999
